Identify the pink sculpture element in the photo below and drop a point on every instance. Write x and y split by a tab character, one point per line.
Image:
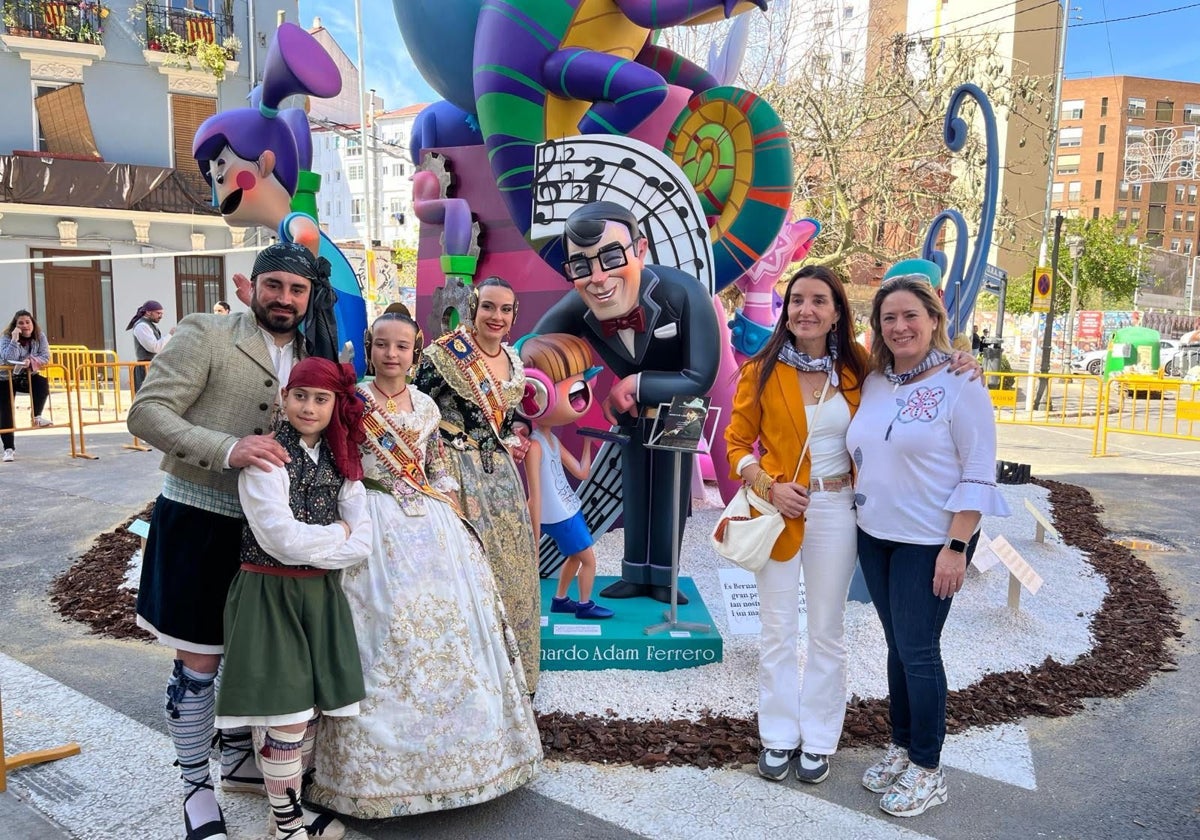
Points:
758	284
721	395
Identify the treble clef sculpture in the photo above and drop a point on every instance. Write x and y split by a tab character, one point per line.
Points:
961	284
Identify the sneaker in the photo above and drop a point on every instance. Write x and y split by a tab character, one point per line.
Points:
41	422
880	777
590	609
915	792
9	455
565	604
773	764
810	767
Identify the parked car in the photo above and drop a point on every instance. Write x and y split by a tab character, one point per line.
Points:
1090	362
1184	360
1093	361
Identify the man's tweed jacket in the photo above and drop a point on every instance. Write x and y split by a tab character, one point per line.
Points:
211	385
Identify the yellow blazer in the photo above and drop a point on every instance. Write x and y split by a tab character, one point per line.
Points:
777	421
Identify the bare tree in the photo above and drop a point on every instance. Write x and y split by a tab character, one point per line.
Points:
870	159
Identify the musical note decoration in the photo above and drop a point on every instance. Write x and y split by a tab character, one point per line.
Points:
575	171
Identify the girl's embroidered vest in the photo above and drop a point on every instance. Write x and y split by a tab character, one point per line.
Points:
313	495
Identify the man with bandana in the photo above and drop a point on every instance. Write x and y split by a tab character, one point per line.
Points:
656	329
209	404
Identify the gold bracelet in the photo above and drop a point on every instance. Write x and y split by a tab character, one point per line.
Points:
762	484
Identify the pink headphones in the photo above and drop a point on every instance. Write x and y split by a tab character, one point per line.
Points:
540	394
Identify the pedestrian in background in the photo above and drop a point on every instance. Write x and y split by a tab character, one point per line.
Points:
148	340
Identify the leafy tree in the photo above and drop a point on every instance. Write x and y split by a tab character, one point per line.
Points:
1108	269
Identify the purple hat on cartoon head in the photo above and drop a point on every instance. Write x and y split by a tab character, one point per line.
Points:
296	64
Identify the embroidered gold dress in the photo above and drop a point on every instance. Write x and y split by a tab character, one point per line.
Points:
477	413
447	720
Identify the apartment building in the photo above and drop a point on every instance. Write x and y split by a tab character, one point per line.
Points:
1127	147
101	102
1026	36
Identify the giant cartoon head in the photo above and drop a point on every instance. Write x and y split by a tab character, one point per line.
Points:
605	254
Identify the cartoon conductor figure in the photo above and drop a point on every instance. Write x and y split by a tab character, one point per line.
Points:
558	370
655	328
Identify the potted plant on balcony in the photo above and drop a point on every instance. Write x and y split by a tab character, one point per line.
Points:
11	24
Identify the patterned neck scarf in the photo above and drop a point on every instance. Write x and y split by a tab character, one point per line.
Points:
934	358
790	356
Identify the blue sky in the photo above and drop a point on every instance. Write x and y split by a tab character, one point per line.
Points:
1160	46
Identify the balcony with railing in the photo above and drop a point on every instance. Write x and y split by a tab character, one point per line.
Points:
74	21
181	30
190	39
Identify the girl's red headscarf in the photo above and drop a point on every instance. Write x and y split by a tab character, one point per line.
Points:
345	430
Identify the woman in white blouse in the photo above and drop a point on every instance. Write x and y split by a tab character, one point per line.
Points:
924	444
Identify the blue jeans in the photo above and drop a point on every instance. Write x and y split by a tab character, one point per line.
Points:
899	577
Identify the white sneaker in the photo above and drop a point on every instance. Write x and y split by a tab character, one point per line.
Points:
41	422
915	792
8	455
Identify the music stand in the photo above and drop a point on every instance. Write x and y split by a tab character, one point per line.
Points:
678	448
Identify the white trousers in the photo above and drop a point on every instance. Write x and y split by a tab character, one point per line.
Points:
790	715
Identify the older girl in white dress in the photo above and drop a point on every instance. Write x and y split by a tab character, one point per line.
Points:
447	720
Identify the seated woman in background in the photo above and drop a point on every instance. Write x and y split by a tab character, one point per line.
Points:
25	347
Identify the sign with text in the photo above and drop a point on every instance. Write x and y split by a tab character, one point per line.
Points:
739	591
1020	573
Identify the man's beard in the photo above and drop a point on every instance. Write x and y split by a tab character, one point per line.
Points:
277	322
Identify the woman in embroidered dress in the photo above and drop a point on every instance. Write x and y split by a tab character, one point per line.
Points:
477	382
447	720
934	435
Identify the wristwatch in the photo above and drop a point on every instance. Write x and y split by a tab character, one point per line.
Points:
957	546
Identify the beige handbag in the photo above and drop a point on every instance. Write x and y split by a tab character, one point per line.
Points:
746	540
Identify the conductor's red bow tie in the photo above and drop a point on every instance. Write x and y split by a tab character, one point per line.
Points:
635	320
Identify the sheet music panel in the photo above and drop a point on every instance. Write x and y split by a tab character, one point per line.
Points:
575	171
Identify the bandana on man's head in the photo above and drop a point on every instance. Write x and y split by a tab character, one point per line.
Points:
319	325
148	306
345	432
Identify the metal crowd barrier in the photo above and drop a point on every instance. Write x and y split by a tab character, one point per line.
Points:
88	373
50	371
1150	406
1069	400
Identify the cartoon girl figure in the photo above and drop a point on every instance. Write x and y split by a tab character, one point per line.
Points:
253	157
558	369
258	161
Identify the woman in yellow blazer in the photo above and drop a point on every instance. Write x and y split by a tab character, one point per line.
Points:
802	386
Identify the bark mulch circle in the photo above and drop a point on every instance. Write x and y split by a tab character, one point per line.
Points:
1131	630
90	591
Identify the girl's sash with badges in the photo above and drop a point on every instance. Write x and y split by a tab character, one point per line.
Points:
397	450
486	392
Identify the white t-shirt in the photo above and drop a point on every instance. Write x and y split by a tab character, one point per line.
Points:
924	451
827	439
559	502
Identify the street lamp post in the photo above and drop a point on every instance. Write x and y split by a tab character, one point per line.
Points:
1075	246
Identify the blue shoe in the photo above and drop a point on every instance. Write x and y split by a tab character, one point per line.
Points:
590	609
563	605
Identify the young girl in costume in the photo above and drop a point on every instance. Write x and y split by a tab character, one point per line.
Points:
447	721
558	368
290	649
